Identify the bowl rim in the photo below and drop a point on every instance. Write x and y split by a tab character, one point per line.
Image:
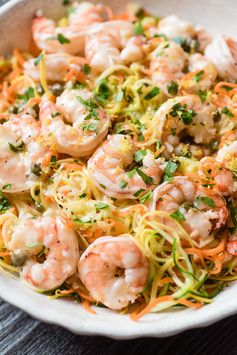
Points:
86	325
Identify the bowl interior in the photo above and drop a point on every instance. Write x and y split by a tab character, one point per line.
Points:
15	17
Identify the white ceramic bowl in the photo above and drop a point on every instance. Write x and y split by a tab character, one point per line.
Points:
15	19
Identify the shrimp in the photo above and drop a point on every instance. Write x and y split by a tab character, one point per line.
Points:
185	113
49	235
104	44
107	169
167	63
21	151
57	66
69	39
114	270
203	37
222	51
133	50
86	123
183	195
171	26
202	74
227	153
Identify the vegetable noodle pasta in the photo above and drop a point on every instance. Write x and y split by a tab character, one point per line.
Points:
118	161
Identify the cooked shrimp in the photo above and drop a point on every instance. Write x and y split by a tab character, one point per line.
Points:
223	53
51	236
133	50
114	270
21	149
75	125
184	195
107	169
69	39
103	45
57	66
167	63
185	113
202	74
227	153
171	26
203	37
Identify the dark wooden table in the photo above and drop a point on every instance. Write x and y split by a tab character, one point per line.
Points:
20	334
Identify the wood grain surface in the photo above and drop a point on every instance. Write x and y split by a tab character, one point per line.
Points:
20	334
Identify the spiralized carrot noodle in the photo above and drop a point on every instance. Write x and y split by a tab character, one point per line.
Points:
118	154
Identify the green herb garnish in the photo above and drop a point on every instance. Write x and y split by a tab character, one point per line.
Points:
227	112
28	94
170	169
139	155
38	59
198	76
206	200
101	206
62	39
172	88
181	111
123	184
138	28
154	92
146	197
178	216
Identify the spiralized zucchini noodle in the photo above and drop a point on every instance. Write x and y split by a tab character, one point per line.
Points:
118	161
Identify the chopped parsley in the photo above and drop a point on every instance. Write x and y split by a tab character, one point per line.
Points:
138	192
89	103
131	173
92	127
161	35
146	197
206	200
82	220
102	92
139	155
154	92
178	216
172	87
138	28
86	69
158	145
227	112
28	94
55	114
202	95
53	160
38	59
82	195
181	111
198	76
146	179
170	169
62	39
7	186
101	206
123	184
4	203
